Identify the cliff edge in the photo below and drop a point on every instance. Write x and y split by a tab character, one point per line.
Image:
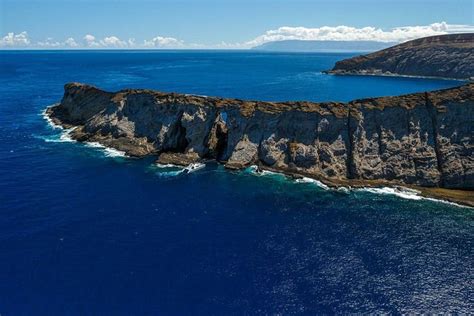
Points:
446	56
421	139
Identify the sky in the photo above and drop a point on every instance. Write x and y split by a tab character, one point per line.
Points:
102	24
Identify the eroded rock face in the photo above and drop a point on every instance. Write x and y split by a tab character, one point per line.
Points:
448	56
395	141
423	139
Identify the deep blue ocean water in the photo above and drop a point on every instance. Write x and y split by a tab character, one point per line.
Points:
85	233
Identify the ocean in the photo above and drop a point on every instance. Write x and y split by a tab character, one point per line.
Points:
86	231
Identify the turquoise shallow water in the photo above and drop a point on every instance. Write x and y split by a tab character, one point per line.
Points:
84	231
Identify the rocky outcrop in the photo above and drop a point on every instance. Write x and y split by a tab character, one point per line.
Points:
423	139
447	56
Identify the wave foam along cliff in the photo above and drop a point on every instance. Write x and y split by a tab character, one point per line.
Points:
421	139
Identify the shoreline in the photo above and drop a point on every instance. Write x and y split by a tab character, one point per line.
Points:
68	129
456	197
459	198
394	75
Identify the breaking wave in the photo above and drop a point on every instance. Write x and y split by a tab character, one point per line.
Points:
49	120
313	181
108	151
194	167
169	170
65	136
406	193
401	192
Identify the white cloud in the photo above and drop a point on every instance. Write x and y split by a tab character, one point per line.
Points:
15	40
89	41
49	43
342	32
164	42
113	42
70	42
89	38
348	33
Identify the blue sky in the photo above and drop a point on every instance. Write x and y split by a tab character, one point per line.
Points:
225	23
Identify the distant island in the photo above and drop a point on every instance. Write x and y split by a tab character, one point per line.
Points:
323	46
446	56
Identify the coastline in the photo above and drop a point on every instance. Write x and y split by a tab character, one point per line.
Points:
66	136
462	198
459	198
388	74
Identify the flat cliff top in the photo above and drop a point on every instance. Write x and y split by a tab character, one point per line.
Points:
447	56
248	107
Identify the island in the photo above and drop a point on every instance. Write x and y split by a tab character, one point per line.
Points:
419	140
445	56
322	46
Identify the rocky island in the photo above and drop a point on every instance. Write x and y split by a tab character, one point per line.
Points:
446	56
422	140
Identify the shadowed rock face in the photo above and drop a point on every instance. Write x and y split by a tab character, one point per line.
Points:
423	139
448	56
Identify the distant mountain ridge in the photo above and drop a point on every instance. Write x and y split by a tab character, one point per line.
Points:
322	46
447	56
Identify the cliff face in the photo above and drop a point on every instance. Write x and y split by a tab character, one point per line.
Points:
448	56
423	139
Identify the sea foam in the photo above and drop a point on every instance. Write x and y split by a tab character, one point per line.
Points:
407	193
401	192
193	167
168	165
108	151
65	136
404	193
313	181
255	170
49	120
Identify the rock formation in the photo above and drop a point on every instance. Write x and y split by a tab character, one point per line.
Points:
448	56
422	139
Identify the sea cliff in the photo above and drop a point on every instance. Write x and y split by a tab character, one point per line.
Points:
445	56
421	139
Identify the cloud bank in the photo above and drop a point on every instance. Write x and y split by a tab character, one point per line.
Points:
15	40
348	33
89	41
325	33
160	42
